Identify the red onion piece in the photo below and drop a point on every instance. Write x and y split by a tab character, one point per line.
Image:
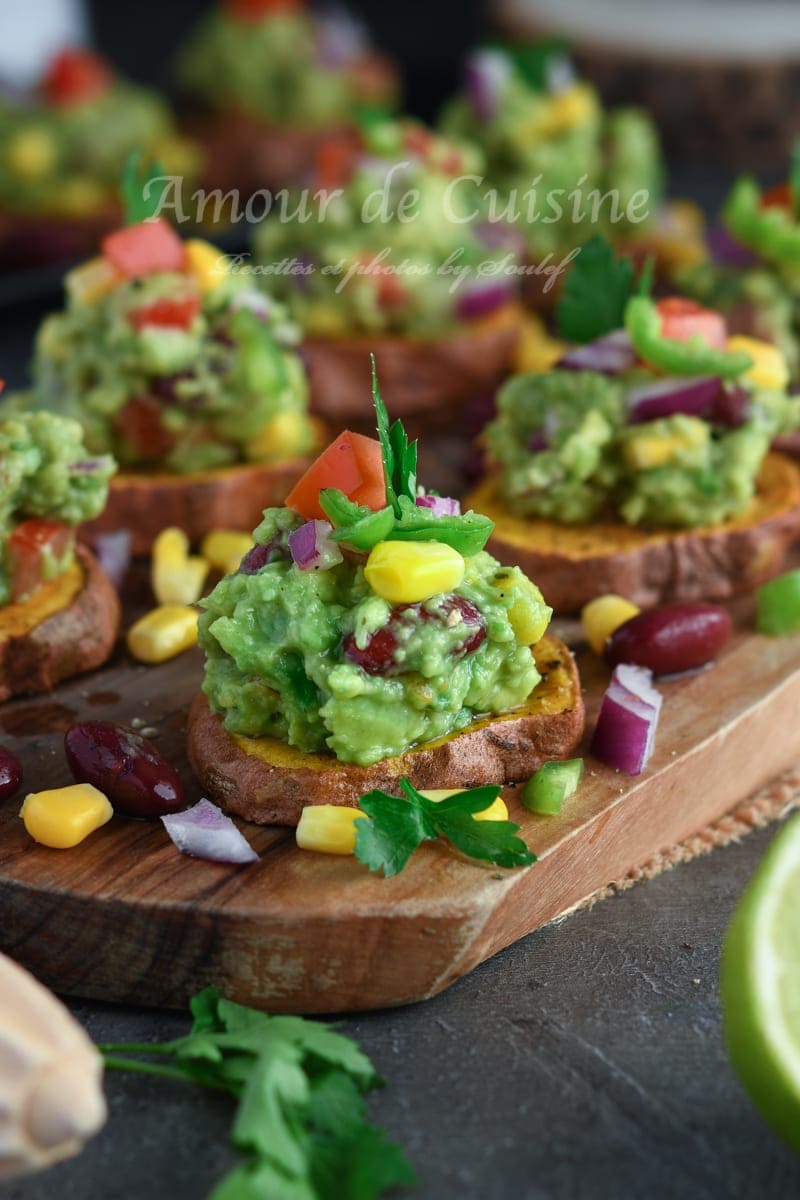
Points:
339	37
624	735
500	235
728	251
485	76
610	354
311	548
482	297
113	552
731	407
441	506
695	397
204	831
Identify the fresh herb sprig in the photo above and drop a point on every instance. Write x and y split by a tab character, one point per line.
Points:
300	1124
596	290
399	824
399	455
141	199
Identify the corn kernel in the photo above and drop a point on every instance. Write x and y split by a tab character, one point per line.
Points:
602	616
176	576
81	195
405	572
63	817
497	810
206	263
769	369
89	282
646	451
328	828
163	633
224	549
284	436
536	350
32	153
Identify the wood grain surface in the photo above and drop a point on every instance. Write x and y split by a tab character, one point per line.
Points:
125	917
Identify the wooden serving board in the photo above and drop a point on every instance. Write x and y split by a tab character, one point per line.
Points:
125	917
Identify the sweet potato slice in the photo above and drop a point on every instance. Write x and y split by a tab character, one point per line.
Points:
419	377
574	563
68	626
227	498
267	781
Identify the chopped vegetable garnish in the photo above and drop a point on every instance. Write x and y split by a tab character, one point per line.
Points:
204	831
624	736
596	290
300	1125
694	357
779	605
554	782
140	197
399	456
401	823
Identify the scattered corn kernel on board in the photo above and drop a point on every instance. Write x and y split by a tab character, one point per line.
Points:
125	917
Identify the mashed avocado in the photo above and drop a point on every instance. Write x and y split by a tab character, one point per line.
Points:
394	247
175	398
46	472
567	451
286	68
545	134
317	659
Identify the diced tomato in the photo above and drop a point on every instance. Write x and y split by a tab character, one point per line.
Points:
353	464
75	76
389	291
779	196
452	163
170	314
139	425
681	319
418	140
144	249
334	162
31	545
254	10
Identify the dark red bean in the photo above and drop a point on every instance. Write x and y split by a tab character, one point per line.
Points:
378	655
678	637
10	773
126	767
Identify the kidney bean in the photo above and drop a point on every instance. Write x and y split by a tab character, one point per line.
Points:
677	637
10	773
126	767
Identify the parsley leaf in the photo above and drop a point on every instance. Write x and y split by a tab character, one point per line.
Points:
140	198
399	456
533	60
301	1123
596	290
398	824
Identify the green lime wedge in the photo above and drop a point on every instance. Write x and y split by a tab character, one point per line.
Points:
760	985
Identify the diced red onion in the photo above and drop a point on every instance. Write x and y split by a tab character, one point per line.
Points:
441	506
204	831
731	407
728	251
559	74
87	466
500	235
312	549
482	297
610	354
339	37
787	443
253	301
485	75
695	397
624	735
113	552
538	442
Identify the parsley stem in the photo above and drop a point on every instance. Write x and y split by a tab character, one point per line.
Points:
145	1068
136	1048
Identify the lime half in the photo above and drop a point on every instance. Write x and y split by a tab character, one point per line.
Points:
761	985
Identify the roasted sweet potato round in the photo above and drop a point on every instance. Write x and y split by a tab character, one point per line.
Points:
574	563
68	626
267	781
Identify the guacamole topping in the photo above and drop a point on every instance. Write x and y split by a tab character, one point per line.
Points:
179	370
392	239
63	150
284	66
545	134
48	481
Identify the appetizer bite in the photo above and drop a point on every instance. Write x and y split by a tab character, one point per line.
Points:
270	80
58	611
62	151
640	464
392	257
186	373
369	637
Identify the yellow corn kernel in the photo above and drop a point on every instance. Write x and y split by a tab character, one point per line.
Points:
405	572
497	810
31	153
224	549
176	576
602	616
536	350
769	369
80	196
63	817
646	451
91	281
324	320
328	828
206	263
285	435
163	633
576	105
